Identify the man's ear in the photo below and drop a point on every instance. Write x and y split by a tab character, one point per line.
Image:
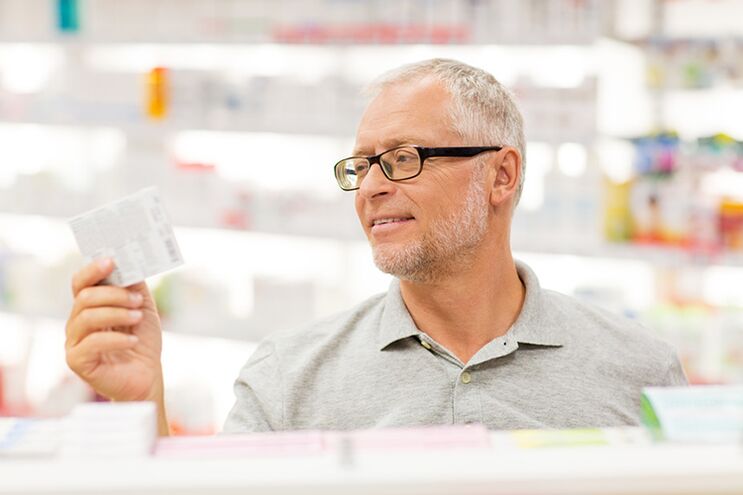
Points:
505	173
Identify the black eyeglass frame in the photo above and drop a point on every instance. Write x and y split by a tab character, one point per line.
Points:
423	154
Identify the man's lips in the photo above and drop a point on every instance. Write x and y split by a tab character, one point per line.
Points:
390	219
389	223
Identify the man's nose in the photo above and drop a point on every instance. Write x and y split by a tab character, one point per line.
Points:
375	183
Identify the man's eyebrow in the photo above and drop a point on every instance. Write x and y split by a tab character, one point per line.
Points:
388	144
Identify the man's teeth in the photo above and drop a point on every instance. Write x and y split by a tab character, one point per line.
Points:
389	220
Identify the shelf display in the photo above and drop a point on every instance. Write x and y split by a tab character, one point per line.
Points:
693	63
307	21
687	195
237	109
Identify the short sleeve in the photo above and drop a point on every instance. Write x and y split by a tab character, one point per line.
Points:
258	394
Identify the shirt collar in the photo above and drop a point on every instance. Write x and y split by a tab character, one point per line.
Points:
531	326
396	323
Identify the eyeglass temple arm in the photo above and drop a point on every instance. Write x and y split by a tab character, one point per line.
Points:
457	151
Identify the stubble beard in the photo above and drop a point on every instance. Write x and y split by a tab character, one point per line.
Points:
447	246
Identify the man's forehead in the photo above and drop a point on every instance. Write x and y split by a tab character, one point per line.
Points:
362	148
408	113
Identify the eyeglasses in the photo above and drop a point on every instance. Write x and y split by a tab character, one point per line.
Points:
400	163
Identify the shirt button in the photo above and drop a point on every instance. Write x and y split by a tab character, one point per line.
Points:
466	377
425	344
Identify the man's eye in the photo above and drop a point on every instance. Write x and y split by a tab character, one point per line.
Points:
404	157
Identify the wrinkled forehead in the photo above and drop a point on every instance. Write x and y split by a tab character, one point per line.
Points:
415	112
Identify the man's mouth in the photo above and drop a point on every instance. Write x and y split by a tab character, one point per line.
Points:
383	221
389	225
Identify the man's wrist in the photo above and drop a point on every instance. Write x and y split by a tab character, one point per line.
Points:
157	395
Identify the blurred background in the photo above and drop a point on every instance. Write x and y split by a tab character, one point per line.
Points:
238	109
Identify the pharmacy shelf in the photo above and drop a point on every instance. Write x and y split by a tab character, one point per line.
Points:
284	217
319	21
155	130
614	470
337	128
231	330
76	41
643	41
83	41
656	255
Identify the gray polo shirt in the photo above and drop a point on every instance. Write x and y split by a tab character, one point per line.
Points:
562	364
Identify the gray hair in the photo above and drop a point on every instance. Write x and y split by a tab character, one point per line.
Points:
483	109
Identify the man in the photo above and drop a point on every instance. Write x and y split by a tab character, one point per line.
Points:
464	334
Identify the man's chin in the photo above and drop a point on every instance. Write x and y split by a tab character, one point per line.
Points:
396	260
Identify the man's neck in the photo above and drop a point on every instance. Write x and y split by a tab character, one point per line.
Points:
466	310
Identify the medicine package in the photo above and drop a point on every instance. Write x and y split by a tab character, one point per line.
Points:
133	231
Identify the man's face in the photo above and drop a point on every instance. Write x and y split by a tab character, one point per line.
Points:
420	228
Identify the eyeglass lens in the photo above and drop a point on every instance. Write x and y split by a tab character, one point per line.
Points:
396	164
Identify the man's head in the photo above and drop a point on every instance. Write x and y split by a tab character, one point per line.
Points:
442	217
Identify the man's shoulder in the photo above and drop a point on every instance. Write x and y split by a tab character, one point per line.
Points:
588	323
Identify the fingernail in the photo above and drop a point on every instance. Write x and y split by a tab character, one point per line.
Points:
104	263
135	297
135	314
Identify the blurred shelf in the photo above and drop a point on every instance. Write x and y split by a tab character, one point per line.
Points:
319	23
78	41
619	470
657	255
343	228
234	329
27	320
160	129
660	39
74	41
652	254
341	129
721	90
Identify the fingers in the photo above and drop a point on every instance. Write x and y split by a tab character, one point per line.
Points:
142	289
105	295
91	274
88	352
91	320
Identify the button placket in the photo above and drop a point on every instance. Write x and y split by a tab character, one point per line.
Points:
465	377
466	402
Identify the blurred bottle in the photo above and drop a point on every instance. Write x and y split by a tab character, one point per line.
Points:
157	93
731	224
617	212
68	20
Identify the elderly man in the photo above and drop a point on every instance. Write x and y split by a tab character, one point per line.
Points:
464	333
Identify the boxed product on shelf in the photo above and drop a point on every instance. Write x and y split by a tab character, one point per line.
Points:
109	430
731	224
706	414
29	438
305	21
693	63
682	194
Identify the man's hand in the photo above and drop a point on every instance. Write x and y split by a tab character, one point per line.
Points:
114	339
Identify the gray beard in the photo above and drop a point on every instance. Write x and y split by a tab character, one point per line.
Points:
449	245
